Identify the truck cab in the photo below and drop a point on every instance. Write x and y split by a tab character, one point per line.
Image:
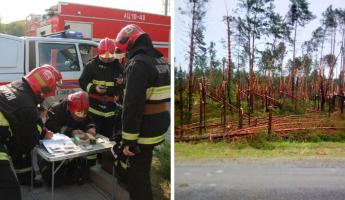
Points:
19	55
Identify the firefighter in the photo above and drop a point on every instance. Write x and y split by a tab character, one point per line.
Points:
69	117
19	121
102	80
22	160
145	118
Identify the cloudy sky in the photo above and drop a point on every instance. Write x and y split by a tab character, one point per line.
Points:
18	10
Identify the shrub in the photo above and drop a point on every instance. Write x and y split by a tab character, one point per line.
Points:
259	141
313	137
163	155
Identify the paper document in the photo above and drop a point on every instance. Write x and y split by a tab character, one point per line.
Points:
60	143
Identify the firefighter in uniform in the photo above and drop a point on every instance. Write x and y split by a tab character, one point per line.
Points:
22	161
145	118
69	117
102	80
19	121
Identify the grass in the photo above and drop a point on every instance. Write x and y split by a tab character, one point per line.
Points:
271	149
160	175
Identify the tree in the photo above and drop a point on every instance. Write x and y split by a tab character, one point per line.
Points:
227	19
214	63
277	28
330	60
281	52
240	57
298	15
340	13
196	10
251	26
279	31
16	28
330	22
200	53
308	48
318	40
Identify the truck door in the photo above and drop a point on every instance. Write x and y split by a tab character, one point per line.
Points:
63	56
12	58
87	52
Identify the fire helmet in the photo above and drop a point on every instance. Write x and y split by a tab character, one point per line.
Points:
106	49
126	38
56	73
78	103
42	81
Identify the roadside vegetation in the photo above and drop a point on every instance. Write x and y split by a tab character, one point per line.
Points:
16	28
309	144
244	150
160	175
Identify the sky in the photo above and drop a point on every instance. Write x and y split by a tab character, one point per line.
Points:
18	10
216	29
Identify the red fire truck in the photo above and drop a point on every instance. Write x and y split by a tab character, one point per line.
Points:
96	22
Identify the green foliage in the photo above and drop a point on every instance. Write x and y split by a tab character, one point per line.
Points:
329	60
316	136
299	13
180	79
275	138
287	108
313	137
232	92
177	109
259	141
163	155
16	28
330	17
214	63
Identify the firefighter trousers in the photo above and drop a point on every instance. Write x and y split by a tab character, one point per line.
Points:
139	183
9	186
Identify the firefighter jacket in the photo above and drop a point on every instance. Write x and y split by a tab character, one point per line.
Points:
105	74
20	125
147	79
60	120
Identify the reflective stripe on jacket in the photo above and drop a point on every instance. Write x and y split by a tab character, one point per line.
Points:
147	79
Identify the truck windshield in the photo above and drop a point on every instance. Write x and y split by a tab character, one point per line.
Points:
87	52
62	56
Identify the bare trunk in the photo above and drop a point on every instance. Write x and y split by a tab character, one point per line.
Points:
322	91
224	99
229	60
252	74
200	108
181	101
293	67
191	60
342	64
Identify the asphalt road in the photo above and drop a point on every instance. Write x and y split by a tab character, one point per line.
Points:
261	179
